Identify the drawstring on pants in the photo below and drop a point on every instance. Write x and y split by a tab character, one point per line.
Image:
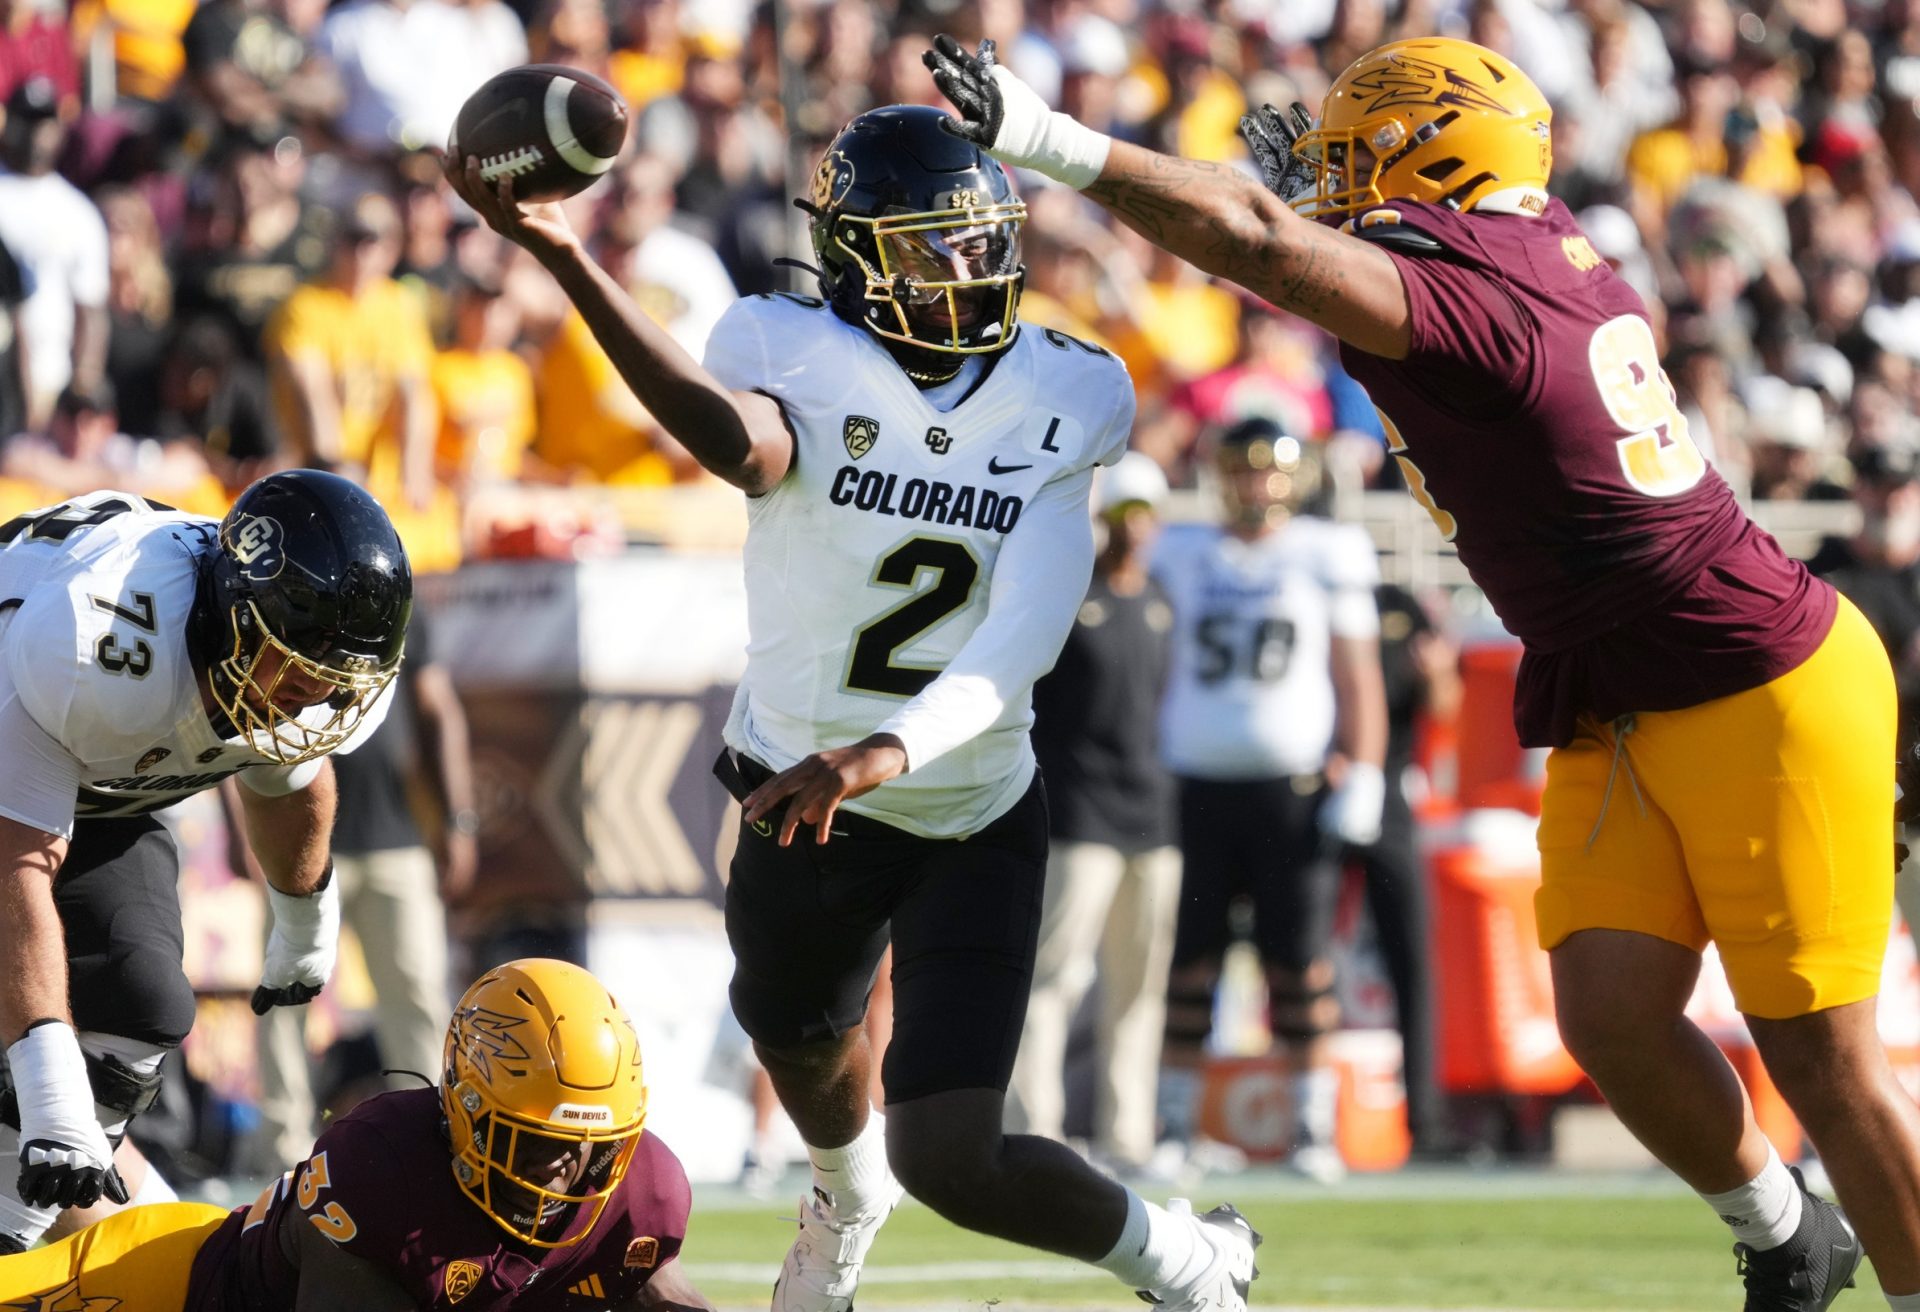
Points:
1622	726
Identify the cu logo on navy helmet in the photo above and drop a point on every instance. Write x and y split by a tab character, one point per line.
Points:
258	543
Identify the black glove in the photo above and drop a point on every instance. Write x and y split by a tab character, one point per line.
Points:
293	995
66	1159
967	80
54	1174
1270	137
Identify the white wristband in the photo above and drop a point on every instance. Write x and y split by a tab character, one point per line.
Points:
1033	137
305	937
49	1076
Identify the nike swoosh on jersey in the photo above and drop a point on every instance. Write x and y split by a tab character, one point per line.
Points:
995	467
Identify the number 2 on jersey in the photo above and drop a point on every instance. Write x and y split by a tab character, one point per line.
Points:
331	1220
955	569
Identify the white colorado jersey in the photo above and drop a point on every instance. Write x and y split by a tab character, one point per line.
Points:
100	710
917	569
1250	694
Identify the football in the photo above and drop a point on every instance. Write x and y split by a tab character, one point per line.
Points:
554	130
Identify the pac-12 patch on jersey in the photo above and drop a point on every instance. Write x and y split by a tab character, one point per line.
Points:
461	1278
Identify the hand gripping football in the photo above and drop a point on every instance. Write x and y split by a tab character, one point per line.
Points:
554	130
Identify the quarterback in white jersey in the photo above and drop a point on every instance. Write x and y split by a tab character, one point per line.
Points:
1275	724
919	467
145	655
919	568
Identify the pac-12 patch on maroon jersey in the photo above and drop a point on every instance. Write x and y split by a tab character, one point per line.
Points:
642	1253
461	1278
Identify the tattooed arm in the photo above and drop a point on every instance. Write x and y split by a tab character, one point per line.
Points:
1220	220
1211	215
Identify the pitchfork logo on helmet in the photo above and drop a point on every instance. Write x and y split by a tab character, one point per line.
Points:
1409	80
1432	119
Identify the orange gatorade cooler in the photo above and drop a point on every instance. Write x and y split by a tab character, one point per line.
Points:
1493	769
1497	1031
1247	1101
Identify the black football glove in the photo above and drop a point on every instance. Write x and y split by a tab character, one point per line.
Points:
967	80
1270	136
293	995
54	1174
66	1159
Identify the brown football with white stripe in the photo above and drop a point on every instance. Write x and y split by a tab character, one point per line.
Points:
554	130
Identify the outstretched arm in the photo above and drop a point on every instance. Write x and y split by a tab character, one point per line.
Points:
1211	215
1218	219
739	436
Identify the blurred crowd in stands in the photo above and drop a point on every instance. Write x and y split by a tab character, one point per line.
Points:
228	244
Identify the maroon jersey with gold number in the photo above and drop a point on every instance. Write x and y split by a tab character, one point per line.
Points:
1533	421
380	1184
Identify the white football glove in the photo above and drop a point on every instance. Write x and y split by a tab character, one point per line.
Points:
1352	811
65	1159
301	948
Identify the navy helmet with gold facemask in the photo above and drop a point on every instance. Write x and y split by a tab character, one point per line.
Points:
917	233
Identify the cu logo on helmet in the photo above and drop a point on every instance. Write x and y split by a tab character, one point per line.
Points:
257	542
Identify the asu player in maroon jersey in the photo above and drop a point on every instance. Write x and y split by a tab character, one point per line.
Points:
527	1180
1719	721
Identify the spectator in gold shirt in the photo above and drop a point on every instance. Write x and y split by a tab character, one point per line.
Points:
349	354
484	392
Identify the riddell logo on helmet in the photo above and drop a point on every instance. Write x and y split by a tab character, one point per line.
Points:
256	542
1410	81
573	1113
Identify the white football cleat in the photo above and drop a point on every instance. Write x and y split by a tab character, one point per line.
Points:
822	1269
1222	1285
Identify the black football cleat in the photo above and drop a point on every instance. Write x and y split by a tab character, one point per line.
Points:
1806	1273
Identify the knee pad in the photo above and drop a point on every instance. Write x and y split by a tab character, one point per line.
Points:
1302	1006
1189	1013
158	1005
121	1089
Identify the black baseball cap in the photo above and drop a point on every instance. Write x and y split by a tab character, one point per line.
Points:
32	98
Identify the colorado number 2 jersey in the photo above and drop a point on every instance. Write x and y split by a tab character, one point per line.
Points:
1250	695
918	568
100	709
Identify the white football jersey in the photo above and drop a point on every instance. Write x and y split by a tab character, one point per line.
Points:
918	568
1250	694
100	710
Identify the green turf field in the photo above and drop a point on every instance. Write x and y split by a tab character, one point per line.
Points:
1543	1242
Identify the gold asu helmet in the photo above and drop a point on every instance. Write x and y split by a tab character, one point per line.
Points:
1441	120
544	1098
